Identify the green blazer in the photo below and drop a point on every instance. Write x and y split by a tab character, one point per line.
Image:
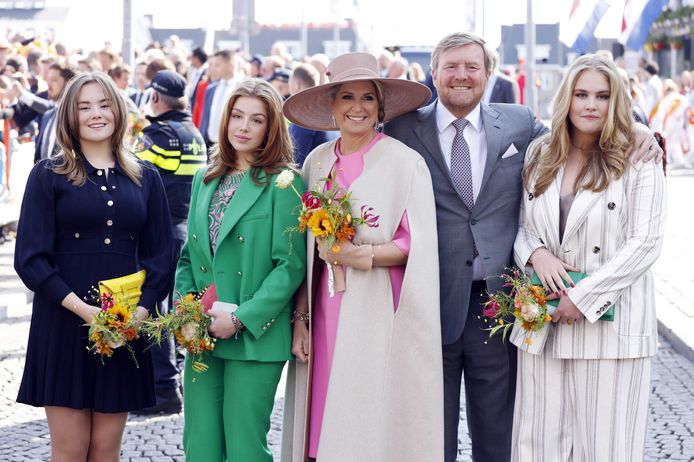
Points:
256	265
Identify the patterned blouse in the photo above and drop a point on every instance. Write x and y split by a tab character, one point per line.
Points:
228	185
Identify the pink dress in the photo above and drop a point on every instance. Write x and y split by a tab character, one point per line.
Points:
326	309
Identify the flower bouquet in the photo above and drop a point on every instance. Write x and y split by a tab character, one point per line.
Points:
328	214
526	303
114	326
189	325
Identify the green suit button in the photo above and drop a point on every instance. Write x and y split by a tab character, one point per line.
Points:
203	269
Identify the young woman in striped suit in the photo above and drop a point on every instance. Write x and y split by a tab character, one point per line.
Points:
583	395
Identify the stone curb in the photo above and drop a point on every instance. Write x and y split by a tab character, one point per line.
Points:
679	345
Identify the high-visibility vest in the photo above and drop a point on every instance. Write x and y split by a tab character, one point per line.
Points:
183	154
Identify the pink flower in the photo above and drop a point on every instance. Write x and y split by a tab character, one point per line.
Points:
310	201
369	218
491	309
107	301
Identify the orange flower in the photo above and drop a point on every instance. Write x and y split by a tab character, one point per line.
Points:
104	350
528	325
345	233
303	220
539	294
189	298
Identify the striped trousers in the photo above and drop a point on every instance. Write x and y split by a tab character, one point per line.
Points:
580	410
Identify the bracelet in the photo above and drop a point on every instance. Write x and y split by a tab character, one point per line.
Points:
373	254
300	316
237	323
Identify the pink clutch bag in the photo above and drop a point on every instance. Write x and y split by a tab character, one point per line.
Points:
209	297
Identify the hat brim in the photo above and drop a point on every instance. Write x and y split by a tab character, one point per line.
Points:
311	108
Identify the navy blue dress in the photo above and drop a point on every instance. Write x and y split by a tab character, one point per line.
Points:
68	239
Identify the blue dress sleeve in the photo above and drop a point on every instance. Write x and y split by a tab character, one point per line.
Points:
36	233
155	250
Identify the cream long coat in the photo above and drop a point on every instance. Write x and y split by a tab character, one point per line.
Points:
614	236
385	395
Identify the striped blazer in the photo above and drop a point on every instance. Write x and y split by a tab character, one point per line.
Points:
614	236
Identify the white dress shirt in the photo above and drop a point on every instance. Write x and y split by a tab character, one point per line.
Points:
476	139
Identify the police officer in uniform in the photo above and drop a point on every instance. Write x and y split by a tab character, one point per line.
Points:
175	146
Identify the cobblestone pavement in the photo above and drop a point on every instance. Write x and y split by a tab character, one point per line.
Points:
24	434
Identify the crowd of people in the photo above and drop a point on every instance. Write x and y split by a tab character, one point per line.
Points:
172	167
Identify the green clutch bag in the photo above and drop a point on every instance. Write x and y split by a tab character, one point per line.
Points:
575	277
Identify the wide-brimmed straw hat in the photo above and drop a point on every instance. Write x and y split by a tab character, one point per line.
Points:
311	108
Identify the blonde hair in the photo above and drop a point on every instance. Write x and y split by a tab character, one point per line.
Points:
67	130
549	153
274	153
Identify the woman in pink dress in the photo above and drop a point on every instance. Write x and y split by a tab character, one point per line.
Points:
367	383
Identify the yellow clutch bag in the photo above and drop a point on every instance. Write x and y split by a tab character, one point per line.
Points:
125	289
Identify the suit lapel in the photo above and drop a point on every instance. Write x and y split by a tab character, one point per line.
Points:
550	206
580	207
202	228
428	133
243	199
494	135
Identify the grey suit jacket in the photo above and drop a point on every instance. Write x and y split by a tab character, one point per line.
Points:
492	224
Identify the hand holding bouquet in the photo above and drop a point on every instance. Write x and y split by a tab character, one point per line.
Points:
328	214
189	325
526	302
114	326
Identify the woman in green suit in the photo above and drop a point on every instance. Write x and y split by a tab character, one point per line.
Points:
237	240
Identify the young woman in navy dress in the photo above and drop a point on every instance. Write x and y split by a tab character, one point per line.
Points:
91	213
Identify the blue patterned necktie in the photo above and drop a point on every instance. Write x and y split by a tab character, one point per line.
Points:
461	168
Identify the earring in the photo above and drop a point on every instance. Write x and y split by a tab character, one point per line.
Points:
334	123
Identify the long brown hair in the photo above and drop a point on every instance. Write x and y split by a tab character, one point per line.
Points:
549	153
274	153
67	130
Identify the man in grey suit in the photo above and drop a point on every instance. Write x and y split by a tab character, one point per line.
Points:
477	208
474	242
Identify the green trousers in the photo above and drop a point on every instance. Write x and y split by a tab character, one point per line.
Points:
227	410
